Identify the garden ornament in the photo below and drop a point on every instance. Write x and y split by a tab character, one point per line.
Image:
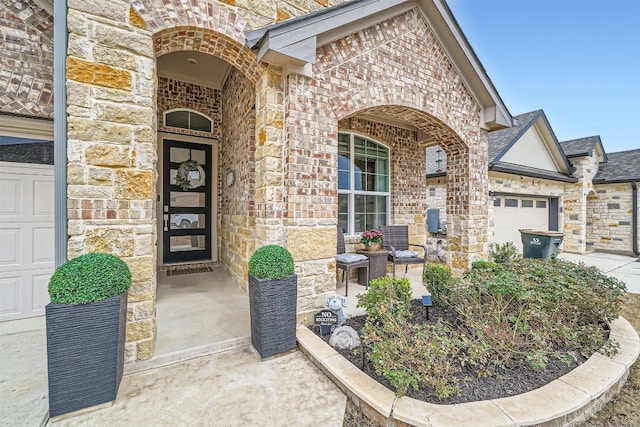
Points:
335	304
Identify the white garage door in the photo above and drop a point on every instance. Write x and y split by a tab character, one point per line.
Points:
26	239
513	213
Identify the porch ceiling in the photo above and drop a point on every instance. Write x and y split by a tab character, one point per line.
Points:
194	67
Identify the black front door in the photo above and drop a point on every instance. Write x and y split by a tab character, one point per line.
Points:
187	209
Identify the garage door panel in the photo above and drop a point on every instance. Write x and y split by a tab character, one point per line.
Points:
42	202
11	248
10	297
515	213
27	245
39	292
43	246
10	191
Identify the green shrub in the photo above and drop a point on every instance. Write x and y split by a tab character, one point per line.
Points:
504	253
438	280
387	295
271	262
88	278
482	264
532	308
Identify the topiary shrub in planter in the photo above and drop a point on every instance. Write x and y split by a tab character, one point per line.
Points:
273	295
86	331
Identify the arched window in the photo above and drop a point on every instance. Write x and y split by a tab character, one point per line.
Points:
187	119
363	183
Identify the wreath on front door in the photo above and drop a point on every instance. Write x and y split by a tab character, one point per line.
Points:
184	170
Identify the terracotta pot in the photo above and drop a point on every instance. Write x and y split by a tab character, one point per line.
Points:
373	247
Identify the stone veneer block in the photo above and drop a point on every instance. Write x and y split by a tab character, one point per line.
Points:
595	377
355	383
544	404
478	414
98	74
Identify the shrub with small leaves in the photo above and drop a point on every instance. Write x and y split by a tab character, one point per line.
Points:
504	253
89	278
438	279
387	295
488	265
271	262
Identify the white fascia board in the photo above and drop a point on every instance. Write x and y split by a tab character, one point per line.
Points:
24	127
299	40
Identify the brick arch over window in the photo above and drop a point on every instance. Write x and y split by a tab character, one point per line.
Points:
434	131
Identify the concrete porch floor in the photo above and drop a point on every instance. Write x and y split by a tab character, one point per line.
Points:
194	310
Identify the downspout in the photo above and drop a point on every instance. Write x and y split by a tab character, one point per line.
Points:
634	186
60	35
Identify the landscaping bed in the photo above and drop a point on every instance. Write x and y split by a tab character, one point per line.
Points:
509	381
501	329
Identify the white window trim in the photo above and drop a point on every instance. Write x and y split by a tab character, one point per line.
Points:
189	110
353	193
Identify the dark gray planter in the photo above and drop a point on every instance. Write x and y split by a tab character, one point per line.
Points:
85	353
273	306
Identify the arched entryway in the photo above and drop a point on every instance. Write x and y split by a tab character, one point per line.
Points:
206	122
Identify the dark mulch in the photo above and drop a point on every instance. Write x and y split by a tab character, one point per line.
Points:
510	381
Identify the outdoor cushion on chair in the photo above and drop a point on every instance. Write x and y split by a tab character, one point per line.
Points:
347	262
406	254
349	258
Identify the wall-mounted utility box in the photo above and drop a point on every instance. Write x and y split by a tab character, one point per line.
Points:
433	220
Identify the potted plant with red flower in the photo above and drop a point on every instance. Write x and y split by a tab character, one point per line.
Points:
372	240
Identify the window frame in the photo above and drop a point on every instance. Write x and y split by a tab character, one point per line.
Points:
351	221
190	111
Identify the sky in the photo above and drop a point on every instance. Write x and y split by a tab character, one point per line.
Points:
578	60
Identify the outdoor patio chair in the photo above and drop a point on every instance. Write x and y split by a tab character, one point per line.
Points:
396	241
347	262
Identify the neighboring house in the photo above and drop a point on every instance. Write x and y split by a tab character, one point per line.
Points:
608	217
537	183
299	117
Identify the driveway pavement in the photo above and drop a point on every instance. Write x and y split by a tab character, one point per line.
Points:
622	267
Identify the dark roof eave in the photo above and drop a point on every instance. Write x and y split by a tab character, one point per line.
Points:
499	168
615	181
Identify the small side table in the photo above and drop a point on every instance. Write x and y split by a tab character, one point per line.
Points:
377	265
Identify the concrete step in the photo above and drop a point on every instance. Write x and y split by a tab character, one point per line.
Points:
160	360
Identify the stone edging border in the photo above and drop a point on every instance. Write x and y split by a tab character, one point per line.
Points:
565	401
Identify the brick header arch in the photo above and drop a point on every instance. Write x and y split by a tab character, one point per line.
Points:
213	43
205	27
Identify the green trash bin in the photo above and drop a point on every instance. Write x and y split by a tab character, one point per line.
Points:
540	244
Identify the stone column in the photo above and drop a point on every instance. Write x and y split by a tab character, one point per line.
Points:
269	204
111	86
467	199
575	204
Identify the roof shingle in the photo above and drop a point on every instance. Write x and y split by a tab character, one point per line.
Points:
501	139
581	146
623	166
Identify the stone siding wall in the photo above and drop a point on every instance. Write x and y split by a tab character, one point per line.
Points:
610	218
112	122
174	94
237	157
575	204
